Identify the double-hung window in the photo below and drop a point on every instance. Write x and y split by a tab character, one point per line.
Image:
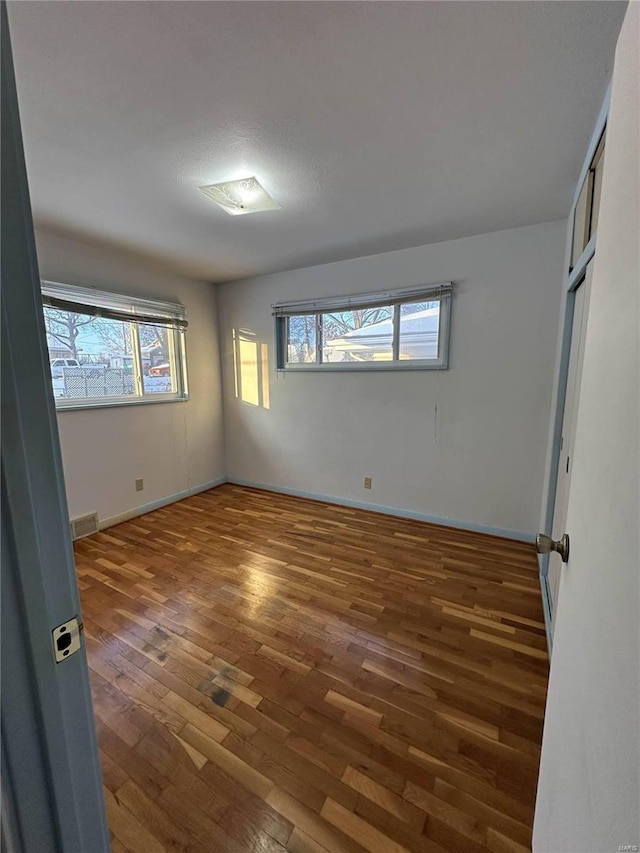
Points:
392	330
106	349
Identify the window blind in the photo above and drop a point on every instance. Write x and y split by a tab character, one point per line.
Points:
97	303
367	300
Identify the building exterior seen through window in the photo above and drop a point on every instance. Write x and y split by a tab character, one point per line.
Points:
399	333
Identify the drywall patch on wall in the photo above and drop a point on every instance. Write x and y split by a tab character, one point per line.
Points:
174	447
482	460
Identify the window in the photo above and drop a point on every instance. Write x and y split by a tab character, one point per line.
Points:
402	329
106	349
585	215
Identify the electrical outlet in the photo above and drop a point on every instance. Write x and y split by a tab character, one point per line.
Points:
139	485
367	482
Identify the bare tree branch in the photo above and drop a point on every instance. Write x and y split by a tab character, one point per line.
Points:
65	327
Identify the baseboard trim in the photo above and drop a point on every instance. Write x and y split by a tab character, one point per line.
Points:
104	523
489	530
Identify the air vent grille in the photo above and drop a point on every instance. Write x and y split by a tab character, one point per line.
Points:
84	526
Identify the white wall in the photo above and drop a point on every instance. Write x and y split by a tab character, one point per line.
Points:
589	788
324	432
174	447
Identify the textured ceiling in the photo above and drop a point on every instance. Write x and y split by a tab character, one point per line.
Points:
376	126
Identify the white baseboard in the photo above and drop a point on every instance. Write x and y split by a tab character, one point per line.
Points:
502	532
170	499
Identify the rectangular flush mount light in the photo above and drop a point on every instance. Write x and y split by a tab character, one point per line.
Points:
239	197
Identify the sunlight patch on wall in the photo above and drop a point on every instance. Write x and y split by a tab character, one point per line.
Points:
249	372
235	363
251	369
264	352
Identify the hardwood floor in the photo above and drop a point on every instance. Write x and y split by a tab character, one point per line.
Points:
276	674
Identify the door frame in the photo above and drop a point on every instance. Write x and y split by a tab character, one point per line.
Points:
51	780
572	280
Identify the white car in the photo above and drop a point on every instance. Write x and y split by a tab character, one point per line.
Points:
58	364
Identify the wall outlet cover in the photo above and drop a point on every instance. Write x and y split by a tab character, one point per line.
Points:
139	485
367	482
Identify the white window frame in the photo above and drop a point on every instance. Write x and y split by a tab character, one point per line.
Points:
441	292
134	310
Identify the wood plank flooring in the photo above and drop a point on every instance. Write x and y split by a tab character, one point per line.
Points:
273	674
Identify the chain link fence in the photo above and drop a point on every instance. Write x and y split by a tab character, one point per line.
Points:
80	382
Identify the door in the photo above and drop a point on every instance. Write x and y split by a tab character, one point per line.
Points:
563	482
589	785
51	786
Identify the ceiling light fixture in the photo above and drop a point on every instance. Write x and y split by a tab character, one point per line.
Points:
240	197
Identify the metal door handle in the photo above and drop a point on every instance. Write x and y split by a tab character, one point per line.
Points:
545	544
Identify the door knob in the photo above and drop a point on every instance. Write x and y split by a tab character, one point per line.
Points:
545	544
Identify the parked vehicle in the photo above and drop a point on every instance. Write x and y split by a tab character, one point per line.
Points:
58	364
160	370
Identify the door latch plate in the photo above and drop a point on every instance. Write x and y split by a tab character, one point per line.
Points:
66	639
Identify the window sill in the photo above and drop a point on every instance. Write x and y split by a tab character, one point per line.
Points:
365	368
114	404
